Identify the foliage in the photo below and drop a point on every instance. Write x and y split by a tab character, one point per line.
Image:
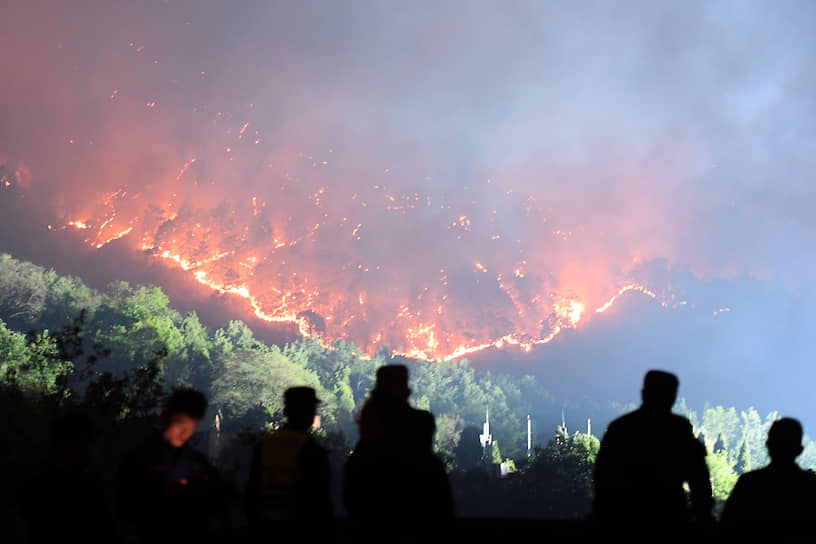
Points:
723	476
743	463
243	377
250	378
149	346
558	480
31	363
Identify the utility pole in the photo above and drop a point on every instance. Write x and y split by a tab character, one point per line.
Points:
529	436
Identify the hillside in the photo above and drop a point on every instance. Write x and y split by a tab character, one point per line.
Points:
245	378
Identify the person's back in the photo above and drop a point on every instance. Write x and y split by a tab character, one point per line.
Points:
781	494
392	473
644	461
645	458
387	418
376	478
292	478
289	476
430	492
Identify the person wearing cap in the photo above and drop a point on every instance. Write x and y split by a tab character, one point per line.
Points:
289	477
393	474
782	495
386	415
645	458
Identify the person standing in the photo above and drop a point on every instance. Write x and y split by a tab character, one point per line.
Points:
781	495
289	479
645	458
393	475
168	490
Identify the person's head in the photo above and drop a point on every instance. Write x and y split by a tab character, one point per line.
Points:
659	390
784	440
183	410
392	380
300	407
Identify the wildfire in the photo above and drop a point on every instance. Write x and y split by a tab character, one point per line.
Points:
398	265
81	225
216	251
622	290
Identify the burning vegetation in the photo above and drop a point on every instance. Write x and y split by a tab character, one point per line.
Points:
426	277
318	213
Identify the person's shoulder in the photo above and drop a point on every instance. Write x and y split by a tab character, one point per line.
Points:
680	422
313	448
624	419
807	475
755	477
629	419
422	417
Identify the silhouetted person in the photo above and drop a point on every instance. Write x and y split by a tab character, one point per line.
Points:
645	458
289	477
782	494
393	475
169	491
67	500
386	416
431	481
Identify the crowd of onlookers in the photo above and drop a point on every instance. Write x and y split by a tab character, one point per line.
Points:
650	474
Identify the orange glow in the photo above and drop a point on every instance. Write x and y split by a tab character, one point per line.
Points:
298	262
631	287
184	168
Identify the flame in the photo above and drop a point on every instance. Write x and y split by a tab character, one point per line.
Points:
418	325
300	251
631	287
184	168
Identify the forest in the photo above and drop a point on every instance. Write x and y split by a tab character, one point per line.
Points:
116	352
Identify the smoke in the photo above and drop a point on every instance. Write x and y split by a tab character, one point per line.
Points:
433	177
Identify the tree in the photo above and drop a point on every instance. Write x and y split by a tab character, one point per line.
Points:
247	379
192	364
808	458
558	482
23	290
754	435
495	453
32	363
719	444
722	421
448	433
743	464
722	474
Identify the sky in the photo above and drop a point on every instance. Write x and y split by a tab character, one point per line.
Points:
604	143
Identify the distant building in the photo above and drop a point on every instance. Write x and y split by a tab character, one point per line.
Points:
486	439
